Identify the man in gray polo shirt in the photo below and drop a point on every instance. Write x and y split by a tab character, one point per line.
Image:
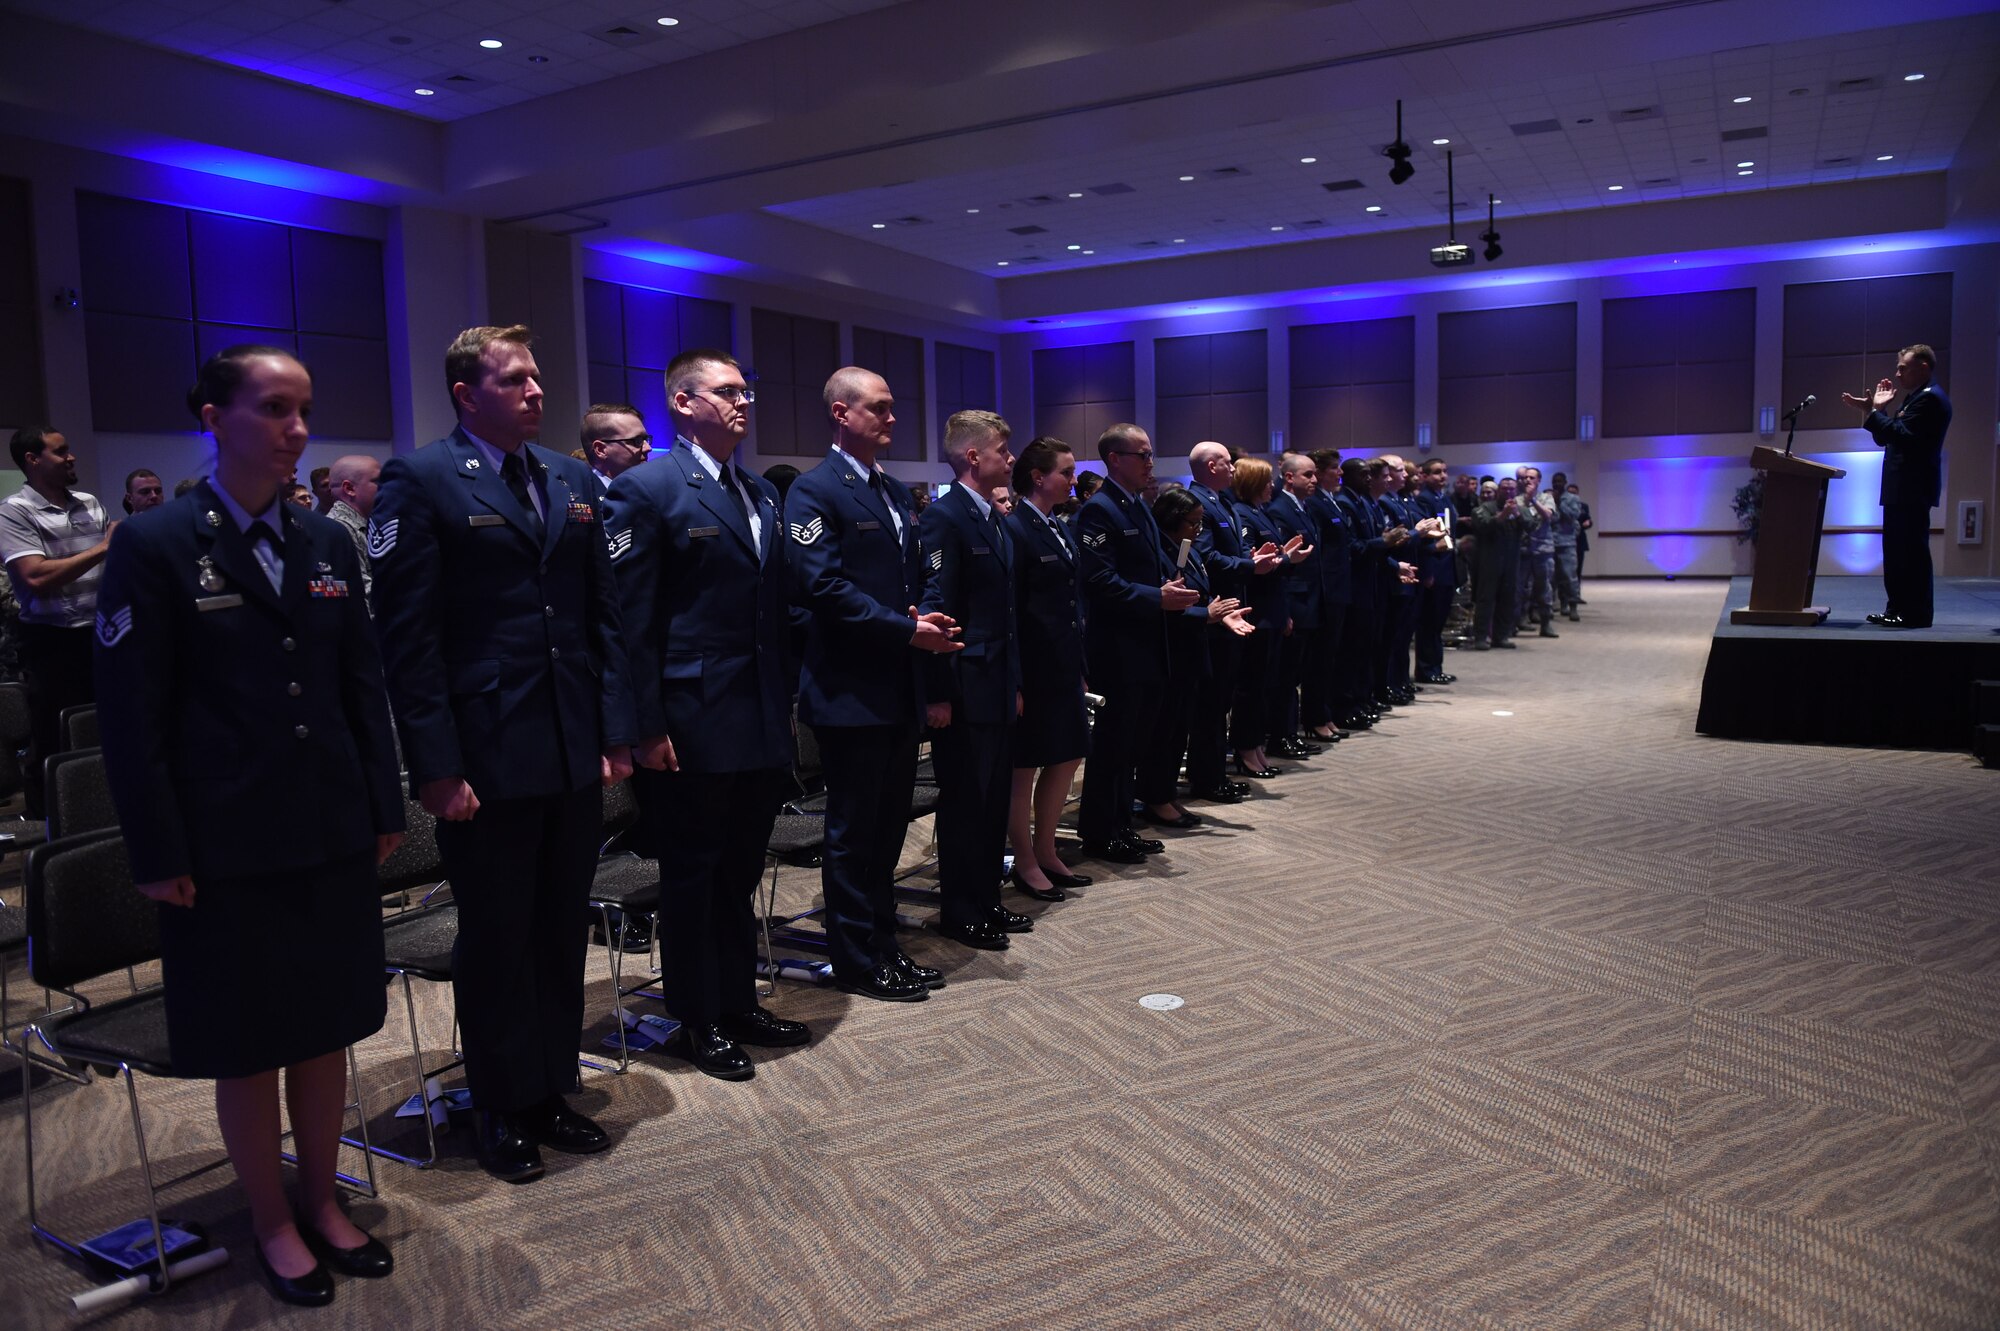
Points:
53	538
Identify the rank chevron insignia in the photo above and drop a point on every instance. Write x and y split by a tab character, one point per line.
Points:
382	537
807	533
620	541
1094	539
937	559
112	628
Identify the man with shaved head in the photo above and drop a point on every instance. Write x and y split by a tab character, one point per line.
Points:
1230	567
351	482
856	567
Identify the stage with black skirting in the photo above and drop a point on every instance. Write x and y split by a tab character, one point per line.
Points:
1847	681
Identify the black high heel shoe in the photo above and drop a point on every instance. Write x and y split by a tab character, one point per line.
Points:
1053	894
370	1261
1244	769
1067	879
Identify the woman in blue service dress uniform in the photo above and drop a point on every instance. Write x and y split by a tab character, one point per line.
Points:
1257	677
246	738
1053	731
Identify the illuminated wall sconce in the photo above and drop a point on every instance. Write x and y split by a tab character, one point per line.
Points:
1767	421
1424	437
1587	427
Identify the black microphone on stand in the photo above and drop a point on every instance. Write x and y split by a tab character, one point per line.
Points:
1792	420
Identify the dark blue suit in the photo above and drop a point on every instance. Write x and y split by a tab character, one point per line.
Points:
1305	603
1125	638
704	626
1912	444
1188	656
1437	583
1255	712
1318	688
1360	654
1399	613
506	668
860	689
969	562
247	743
1227	563
1048	612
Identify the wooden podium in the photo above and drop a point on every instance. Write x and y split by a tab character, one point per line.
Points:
1781	580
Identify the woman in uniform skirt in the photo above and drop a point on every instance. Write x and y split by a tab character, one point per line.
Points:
246	737
1256	701
1053	732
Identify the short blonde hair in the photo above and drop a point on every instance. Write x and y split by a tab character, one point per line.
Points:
1253	475
965	426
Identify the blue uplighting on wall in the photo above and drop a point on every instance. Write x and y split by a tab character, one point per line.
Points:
254	169
1853	552
671	256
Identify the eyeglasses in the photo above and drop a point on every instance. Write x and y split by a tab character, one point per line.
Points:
730	393
1145	453
641	442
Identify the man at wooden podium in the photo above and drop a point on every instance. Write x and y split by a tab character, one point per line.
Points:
1912	473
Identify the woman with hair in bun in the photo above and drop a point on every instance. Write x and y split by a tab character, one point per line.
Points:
246	737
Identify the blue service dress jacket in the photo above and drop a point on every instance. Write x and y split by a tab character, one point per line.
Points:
859	576
704	611
505	660
1125	633
1335	539
245	730
1912	444
969	574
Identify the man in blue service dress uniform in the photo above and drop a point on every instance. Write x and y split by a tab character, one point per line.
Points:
1912	443
855	565
1130	589
972	696
499	622
697	545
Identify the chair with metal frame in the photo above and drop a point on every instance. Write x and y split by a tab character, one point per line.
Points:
17	831
417	942
86	920
628	884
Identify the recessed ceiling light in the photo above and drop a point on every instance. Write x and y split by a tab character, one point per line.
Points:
1187	177
1886	157
1746	164
492	43
1076	247
1077	195
1308	161
427	92
1090	251
668	22
1439	143
1740	100
1913	78
1614	188
1374	207
1277	228
1746	173
1180	240
1001	264
971	210
881	226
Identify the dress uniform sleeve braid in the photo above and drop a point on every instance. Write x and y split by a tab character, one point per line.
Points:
634	536
616	713
410	616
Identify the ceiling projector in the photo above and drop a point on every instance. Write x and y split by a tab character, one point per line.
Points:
1452	255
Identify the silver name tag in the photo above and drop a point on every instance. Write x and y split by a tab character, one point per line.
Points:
229	602
486	520
695	533
870	525
1130	531
1050	559
982	549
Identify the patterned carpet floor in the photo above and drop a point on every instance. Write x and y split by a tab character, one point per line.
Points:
1533	1010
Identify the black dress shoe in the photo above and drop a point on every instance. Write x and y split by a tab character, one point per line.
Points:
1357	721
886	983
1439	679
1067	879
1243	788
1878	619
928	976
1022	885
1145	843
314	1289
1291	748
1898	622
506	1150
1117	852
1011	921
555	1125
1181	822
763	1029
712	1052
632	932
1220	795
1246	769
983	937
370	1261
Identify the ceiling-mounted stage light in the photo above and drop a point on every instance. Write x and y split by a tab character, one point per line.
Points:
1399	152
1491	236
1451	254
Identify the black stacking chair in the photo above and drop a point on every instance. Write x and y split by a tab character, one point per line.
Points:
629	884
87	920
78	793
417	943
78	726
